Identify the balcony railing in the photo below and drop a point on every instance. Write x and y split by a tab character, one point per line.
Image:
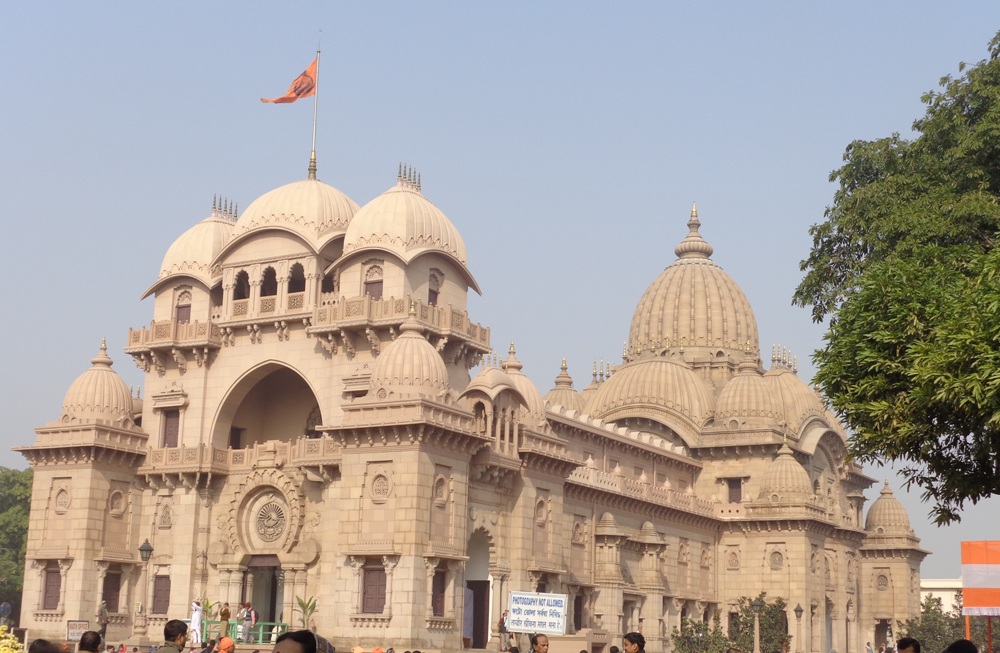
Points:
618	484
303	451
170	333
366	310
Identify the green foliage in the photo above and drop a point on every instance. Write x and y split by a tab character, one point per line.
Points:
306	609
905	267
210	608
15	503
934	628
695	636
773	626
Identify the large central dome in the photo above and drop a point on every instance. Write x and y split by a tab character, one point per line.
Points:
693	305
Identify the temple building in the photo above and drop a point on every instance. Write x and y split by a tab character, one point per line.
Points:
322	418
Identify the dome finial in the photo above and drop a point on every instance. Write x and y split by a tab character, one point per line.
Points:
693	246
214	210
312	165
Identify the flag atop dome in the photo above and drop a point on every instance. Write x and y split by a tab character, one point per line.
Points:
303	86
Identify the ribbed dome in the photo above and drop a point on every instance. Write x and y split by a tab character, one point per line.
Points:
313	210
652	385
98	394
748	396
607	525
887	515
785	479
692	304
534	410
563	394
192	254
401	220
409	366
798	400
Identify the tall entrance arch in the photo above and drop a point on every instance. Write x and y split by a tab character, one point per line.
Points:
271	402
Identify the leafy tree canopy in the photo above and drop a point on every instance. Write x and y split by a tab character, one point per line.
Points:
774	636
696	636
905	268
15	502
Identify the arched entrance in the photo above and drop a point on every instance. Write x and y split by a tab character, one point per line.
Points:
270	403
476	626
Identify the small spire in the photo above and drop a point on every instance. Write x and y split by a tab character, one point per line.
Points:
418	182
694	211
312	165
693	246
595	372
399	173
214	210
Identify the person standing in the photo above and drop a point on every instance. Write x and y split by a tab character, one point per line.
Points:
249	619
224	614
175	634
103	619
196	612
868	648
504	631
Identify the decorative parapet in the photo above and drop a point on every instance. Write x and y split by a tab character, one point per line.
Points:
452	332
370	620
154	346
617	484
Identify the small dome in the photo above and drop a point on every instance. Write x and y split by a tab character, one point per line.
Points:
748	396
194	251
405	223
409	366
887	515
785	479
533	412
491	381
653	385
693	304
313	210
563	394
798	400
98	394
607	525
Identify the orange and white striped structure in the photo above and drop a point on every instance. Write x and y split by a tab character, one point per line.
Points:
981	578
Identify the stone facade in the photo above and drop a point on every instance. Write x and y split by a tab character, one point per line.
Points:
310	427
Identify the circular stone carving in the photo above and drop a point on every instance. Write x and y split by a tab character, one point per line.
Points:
380	487
270	521
882	582
117	504
777	560
62	501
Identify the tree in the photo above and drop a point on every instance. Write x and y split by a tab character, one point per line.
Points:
15	502
934	628
905	268
773	626
696	636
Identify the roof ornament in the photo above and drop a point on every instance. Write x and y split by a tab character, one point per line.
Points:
693	246
595	372
312	165
214	210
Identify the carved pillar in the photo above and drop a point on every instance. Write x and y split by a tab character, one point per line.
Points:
430	565
814	627
279	595
838	627
64	566
389	562
451	596
248	592
357	564
852	631
102	573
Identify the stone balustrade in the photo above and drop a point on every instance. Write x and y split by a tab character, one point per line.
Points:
590	477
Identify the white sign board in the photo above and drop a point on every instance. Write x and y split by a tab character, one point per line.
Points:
533	613
76	629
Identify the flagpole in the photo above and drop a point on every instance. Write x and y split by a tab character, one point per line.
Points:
312	156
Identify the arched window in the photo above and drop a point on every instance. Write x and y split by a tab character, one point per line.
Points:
434	286
241	289
373	282
269	283
296	279
327	285
182	311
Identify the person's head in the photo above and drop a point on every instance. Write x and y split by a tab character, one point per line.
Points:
175	631
247	605
90	641
225	605
211	643
907	645
958	646
43	646
540	644
614	649
301	641
514	649
226	645
633	643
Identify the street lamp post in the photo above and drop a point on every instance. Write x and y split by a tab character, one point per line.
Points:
798	629
756	604
141	627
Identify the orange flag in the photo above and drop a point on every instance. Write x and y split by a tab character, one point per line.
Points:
303	86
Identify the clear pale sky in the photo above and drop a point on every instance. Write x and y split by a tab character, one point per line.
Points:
565	140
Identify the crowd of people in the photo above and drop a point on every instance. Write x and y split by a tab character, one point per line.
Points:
178	635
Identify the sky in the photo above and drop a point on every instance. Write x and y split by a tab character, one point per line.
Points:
565	140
